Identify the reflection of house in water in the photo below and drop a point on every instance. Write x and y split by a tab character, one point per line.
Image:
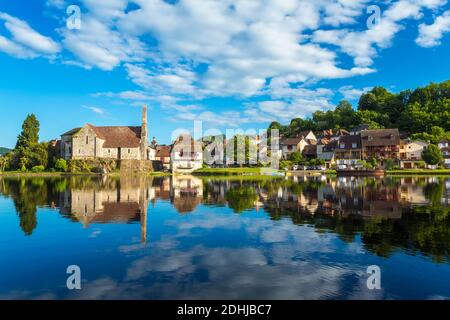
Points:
186	193
125	202
411	192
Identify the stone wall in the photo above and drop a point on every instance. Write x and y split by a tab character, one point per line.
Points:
135	165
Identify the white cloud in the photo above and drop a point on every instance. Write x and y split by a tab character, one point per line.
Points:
97	44
430	35
96	110
363	45
56	3
25	42
351	93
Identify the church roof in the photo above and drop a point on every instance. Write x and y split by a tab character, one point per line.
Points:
114	137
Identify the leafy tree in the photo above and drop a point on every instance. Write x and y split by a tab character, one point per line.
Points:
61	165
437	134
432	155
28	152
30	133
296	157
3	163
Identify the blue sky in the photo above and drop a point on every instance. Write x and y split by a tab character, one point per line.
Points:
231	63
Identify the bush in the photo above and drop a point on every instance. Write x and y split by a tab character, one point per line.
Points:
390	164
286	164
61	165
38	169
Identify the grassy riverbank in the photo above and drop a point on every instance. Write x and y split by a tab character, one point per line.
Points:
407	172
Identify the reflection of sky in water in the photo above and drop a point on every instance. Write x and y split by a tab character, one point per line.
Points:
210	253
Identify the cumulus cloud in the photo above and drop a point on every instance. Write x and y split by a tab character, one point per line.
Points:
180	53
25	42
430	35
363	45
351	93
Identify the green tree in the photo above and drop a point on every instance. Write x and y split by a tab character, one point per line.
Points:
296	157
3	163
432	155
61	165
30	133
29	152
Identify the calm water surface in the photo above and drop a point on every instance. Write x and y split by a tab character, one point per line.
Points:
198	238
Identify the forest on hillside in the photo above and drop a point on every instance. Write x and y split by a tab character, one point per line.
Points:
424	113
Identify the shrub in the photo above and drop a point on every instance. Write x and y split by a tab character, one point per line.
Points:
61	165
390	164
38	169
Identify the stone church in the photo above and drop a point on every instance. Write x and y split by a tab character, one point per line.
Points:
117	143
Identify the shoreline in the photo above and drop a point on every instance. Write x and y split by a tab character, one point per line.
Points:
227	172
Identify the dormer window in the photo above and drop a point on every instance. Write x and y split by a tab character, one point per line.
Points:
392	137
370	138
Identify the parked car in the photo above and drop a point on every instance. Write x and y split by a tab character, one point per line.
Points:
311	168
302	168
295	168
321	168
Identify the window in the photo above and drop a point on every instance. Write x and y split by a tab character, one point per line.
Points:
87	139
109	150
354	146
342	145
129	151
79	151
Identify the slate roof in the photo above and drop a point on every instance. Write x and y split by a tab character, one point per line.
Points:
381	137
348	142
291	141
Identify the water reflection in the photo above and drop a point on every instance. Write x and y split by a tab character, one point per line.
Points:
286	238
411	213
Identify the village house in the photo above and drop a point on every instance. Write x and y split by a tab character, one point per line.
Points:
118	142
186	155
162	156
325	151
297	144
381	145
411	153
348	151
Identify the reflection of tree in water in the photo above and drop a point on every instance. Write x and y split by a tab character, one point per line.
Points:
27	195
241	198
423	229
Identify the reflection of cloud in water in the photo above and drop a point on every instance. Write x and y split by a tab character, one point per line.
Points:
285	267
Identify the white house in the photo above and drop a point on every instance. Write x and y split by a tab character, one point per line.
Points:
187	155
411	153
297	144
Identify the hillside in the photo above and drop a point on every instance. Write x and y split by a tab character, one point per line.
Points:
4	150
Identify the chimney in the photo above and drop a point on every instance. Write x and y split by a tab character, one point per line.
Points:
144	134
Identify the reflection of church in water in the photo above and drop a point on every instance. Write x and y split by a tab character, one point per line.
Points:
126	200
